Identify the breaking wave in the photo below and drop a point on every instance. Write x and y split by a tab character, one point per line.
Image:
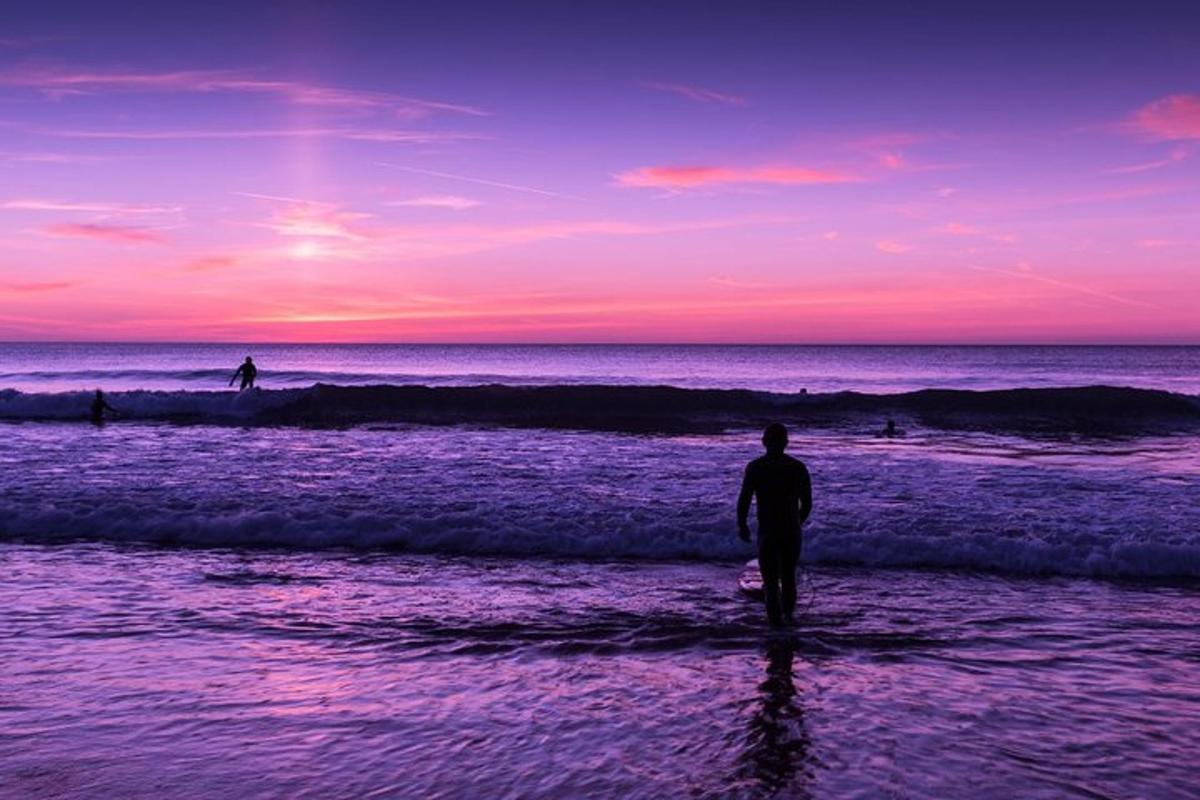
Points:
1070	550
664	409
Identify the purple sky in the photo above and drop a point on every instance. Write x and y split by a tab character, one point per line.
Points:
778	172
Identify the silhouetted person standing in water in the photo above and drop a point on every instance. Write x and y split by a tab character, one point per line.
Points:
782	490
99	406
248	372
890	431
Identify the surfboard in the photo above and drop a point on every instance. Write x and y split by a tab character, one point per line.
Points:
750	580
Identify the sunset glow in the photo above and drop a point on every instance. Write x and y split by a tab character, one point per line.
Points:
619	174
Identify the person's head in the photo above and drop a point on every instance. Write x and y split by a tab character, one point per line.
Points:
249	360
775	438
99	393
891	424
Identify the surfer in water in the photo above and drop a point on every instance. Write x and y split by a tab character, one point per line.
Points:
99	406
782	491
248	372
890	431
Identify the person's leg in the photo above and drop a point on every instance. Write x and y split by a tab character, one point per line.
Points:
768	565
789	556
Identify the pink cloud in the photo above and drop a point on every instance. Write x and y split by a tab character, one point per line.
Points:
959	229
35	204
889	246
688	177
352	134
320	220
37	286
106	233
1173	118
211	262
450	201
697	93
325	232
48	158
62	81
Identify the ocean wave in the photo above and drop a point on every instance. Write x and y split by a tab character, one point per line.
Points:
1069	551
663	409
219	377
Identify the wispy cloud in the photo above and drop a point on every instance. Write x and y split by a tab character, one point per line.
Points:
22	42
353	134
210	263
469	179
888	150
450	201
892	247
15	157
1172	118
106	233
35	204
63	81
690	177
1174	157
893	140
696	93
735	283
960	229
325	231
36	287
320	220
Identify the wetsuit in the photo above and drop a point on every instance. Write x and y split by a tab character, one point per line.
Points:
99	406
782	489
248	372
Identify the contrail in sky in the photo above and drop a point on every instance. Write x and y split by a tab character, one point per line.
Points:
1073	286
469	179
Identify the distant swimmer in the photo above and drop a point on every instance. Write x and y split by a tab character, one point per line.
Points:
99	406
248	372
890	431
782	491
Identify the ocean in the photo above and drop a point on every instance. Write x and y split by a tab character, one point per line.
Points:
510	571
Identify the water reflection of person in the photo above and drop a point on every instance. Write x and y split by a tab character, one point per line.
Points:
776	756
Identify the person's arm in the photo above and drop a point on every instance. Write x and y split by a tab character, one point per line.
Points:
805	494
743	506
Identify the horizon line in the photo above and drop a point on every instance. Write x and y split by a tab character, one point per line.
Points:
252	343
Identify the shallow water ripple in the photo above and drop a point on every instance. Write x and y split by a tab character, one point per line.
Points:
150	673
